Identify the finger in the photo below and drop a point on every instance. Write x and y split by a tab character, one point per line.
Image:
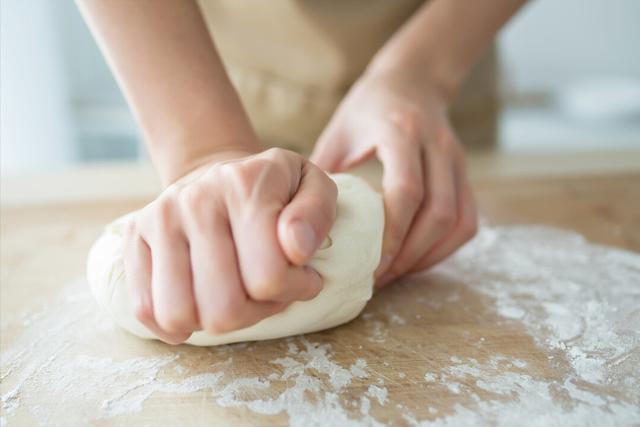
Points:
466	226
265	270
221	300
402	186
435	218
331	149
171	288
306	221
137	264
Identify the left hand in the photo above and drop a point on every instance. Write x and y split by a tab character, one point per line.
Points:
429	205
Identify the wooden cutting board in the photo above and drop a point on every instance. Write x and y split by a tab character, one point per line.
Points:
526	325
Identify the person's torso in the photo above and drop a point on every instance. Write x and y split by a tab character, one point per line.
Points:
292	61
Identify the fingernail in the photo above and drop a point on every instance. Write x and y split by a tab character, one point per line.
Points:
304	237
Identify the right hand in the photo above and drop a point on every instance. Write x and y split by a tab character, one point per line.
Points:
227	246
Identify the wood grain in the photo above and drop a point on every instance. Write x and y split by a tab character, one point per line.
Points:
44	248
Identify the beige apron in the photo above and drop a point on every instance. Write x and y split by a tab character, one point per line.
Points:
292	61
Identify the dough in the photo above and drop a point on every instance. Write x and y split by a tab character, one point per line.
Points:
347	261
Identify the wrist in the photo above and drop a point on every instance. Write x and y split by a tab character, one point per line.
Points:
201	164
184	134
182	149
184	158
428	77
408	84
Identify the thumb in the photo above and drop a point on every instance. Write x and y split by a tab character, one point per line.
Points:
306	221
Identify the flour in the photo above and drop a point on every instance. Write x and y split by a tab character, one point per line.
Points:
359	369
378	393
378	332
536	405
577	301
578	298
429	377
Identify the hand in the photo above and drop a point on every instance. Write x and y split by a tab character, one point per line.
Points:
225	247
429	205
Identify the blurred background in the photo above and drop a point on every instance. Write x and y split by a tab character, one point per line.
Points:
569	80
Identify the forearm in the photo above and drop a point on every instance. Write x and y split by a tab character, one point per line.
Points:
173	79
442	41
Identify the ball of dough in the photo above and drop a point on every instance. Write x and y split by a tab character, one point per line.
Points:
346	261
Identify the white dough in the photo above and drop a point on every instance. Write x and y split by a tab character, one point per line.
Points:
347	265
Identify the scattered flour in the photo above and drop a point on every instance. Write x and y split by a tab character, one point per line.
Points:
394	318
430	377
572	296
378	393
379	331
579	302
511	312
359	369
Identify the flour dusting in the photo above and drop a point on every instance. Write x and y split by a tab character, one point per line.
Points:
580	299
579	303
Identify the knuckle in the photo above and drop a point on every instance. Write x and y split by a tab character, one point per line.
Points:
443	216
163	211
225	171
194	198
241	176
411	191
269	288
217	326
215	173
276	153
223	318
229	171
174	321
408	120
281	162
447	141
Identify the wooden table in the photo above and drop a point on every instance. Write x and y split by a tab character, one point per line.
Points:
458	344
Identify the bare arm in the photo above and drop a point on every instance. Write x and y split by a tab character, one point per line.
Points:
206	254
443	40
173	79
397	111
